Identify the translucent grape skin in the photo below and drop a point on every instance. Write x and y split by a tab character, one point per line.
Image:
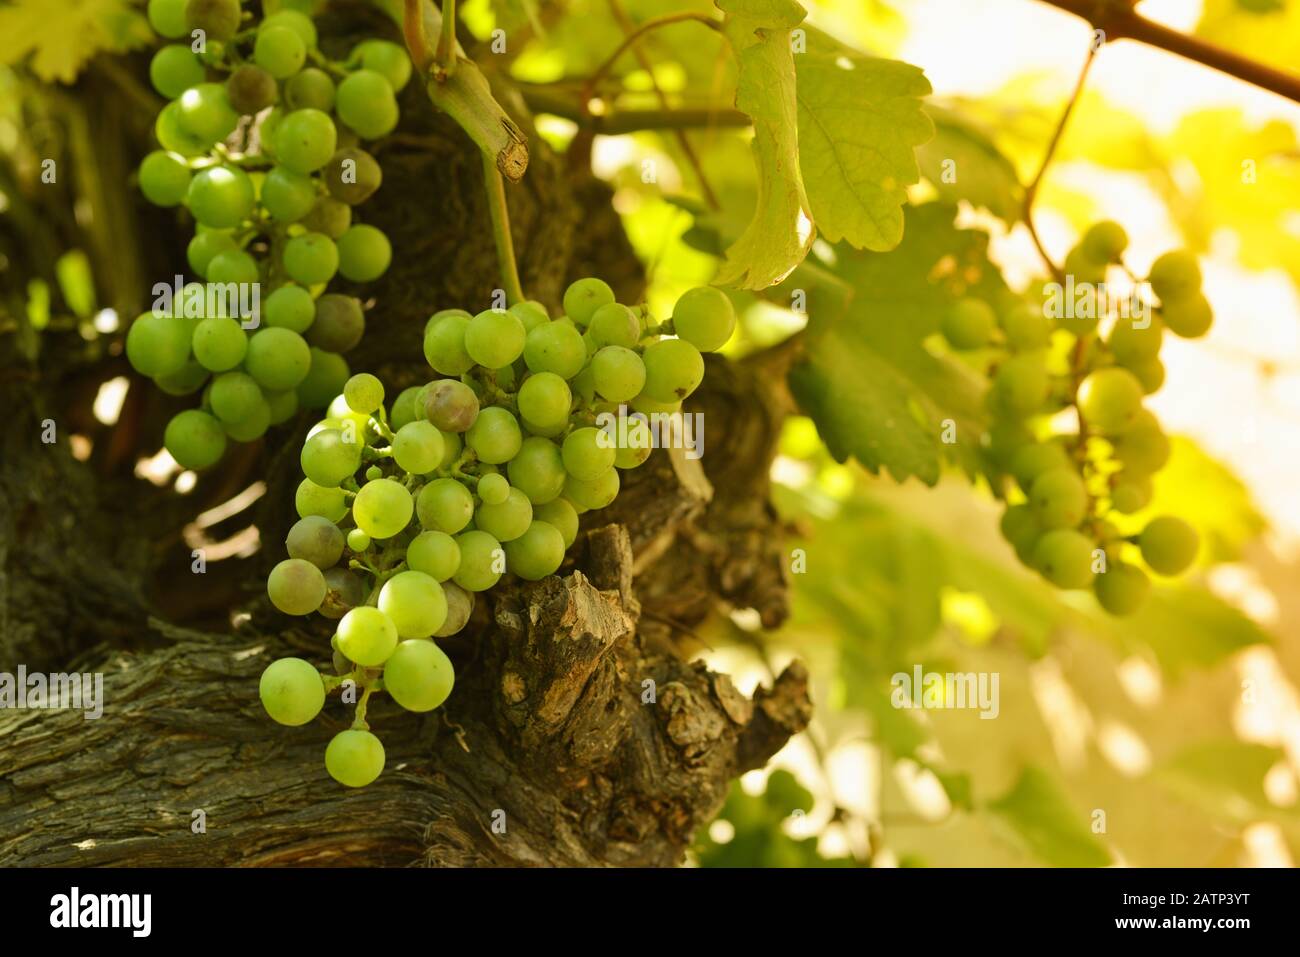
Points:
354	758
157	345
288	196
220	196
444	505
544	400
164	178
584	297
418	447
595	494
480	558
434	553
317	540
560	514
311	259
305	140
614	324
291	691
1110	400
1059	498
388	59
167	17
451	406
414	603
1189	317
195	439
1122	588
278	359
1064	557
327	373
1021	385
969	324
289	307
279	51
364	253
1169	545
367	636
339	323
509	519
538	552
586	454
382	508
219	19
495	338
328	458
555	347
460	605
673	369
537	470
352	176
296	587
419	676
704	317
174	69
313	499
365	102
1104	242
619	373
495	435
493	489
1175	275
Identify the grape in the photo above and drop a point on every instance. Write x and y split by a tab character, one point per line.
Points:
584	297
1150	373
352	176
277	358
1110	400
1021	384
1132	344
414	603
1064	557
205	246
311	259
339	324
288	196
1175	275
444	345
233	265
164	178
704	317
354	758
635	446
673	369
493	489
157	345
538	552
481	558
450	405
219	19
364	254
494	436
494	338
296	587
444	313
1130	493
174	69
1084	269
1122	588
460	605
279	51
167	17
403	409
1020	527
252	425
281	406
614	324
365	102
587	454
969	324
544	401
418	448
1104	242
444	505
251	89
594	494
1168	544
1026	328
220	196
619	373
313	499
289	307
555	347
538	470
344	590
174	139
195	439
291	691
1031	461
1189	317
364	393
205	112
561	515
1144	448
387	59
327	458
317	540
324	380
188	380
294	20
382	508
234	396
532	314
434	553
328	216
1059	498
418	676
305	140
366	635
509	519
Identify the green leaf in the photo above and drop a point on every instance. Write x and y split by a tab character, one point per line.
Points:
860	119
1216	501
772	244
963	163
61	36
1039	813
1223	777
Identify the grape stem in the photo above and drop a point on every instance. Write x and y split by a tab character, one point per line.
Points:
445	53
588	88
496	196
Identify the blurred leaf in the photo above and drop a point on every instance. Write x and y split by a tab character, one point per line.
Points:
1038	811
76	282
1214	500
980	173
62	35
759	839
1224	777
1264	30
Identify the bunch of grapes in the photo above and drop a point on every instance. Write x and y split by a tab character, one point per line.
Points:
260	142
1071	480
406	513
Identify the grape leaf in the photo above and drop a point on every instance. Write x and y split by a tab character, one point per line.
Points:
772	244
962	162
860	119
63	35
1224	777
1039	813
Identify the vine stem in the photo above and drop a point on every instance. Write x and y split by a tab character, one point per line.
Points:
496	194
653	24
413	30
445	53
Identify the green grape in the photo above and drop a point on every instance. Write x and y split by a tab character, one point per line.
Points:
253	425
174	139
364	254
635	445
353	176
403	409
387	59
167	17
195	439
344	591
1150	373
614	324
444	345
1084	268
444	505
219	344
206	113
434	553
311	259
220	196
251	89
538	552
354	758
584	297
328	216
1189	317
704	317
1021	385
366	635
317	540
175	69
418	675
281	406
277	358
294	20
1132	344
561	515
673	370
325	379
289	307
417	448
538	470
493	489
441	314
291	691
1059	498
1130	493
595	494
234	395
158	345
296	587
481	561
339	323
1175	275
305	140
1064	557
1122	588
494	436
1110	400
545	400
555	347
164	178
1104	242
374	472
313	499
508	520
969	324
460	605
365	102
1026	328
234	266
328	458
279	51
1020	527
364	393
288	196
204	247
382	508
414	602
587	454
619	373
188	380
494	338
531	313
1144	448
451	406
1031	461
358	540
219	19
1169	545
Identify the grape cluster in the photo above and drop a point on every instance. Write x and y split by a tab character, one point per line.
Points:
260	142
407	512
1070	487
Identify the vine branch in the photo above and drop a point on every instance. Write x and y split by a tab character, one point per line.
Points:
496	193
652	24
445	53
